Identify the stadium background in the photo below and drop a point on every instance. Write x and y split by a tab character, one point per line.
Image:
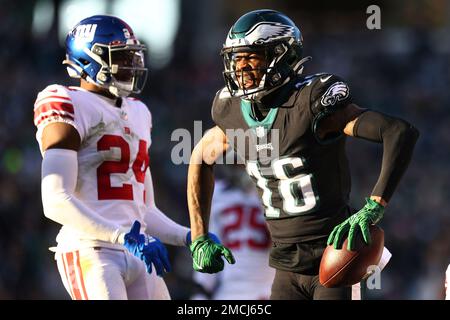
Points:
402	69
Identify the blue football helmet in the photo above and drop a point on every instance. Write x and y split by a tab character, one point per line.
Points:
103	50
274	36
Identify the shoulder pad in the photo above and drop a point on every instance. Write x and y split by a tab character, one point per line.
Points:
328	93
53	102
220	102
223	93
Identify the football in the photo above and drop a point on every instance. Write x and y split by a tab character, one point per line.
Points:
340	268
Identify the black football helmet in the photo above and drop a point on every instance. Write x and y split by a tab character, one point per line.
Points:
273	34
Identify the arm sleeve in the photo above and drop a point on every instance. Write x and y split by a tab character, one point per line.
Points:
59	179
398	138
157	223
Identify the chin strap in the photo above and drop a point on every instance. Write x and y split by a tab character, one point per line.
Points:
257	96
73	70
77	72
114	91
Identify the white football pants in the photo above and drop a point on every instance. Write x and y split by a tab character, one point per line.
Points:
108	274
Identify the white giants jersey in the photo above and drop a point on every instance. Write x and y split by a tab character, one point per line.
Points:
237	218
113	156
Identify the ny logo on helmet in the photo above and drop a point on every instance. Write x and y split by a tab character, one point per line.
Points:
85	32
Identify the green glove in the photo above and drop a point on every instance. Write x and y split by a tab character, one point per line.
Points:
207	255
371	213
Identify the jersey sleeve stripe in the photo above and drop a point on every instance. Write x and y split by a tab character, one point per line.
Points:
54	106
55	115
52	98
49	112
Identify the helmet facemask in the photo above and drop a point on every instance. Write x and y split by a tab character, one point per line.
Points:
236	77
123	69
282	62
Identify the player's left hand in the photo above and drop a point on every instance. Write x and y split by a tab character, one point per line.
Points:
154	252
371	213
207	255
149	249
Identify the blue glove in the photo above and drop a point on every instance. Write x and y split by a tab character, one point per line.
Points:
148	249
211	236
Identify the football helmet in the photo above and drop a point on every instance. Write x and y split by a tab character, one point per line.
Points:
271	34
103	50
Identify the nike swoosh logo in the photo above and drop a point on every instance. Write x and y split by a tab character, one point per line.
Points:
325	79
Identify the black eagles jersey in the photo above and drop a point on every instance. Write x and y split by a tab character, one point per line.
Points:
303	181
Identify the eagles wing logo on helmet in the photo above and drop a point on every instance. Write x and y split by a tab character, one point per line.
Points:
264	32
337	92
261	33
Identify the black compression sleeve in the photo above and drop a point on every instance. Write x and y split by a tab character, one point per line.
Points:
398	138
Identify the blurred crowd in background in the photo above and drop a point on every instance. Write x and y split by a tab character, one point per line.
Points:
403	69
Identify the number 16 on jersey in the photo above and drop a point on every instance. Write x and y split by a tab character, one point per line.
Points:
287	180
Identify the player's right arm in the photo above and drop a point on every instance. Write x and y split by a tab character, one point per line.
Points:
59	138
201	179
206	253
334	111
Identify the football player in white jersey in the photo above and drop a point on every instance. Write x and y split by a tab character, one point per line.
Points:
96	181
237	217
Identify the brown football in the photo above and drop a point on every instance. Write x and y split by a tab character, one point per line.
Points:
340	268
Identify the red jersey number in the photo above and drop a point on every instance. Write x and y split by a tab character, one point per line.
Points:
246	217
121	166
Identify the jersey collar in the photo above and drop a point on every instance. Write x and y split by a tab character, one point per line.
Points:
246	109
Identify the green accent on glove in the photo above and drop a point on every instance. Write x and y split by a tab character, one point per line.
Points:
207	255
371	213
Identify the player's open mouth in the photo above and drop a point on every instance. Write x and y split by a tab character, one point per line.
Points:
248	81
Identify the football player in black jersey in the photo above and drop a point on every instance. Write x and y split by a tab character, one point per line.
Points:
295	129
